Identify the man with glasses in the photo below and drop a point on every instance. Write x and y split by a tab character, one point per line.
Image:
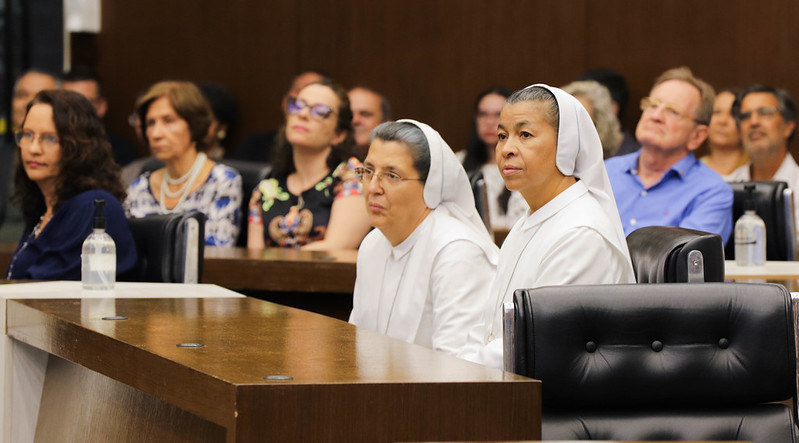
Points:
766	117
663	184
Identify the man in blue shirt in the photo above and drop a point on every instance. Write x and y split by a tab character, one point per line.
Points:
663	184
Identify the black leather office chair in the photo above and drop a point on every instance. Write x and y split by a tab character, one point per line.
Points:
774	204
480	192
251	174
170	247
658	362
667	254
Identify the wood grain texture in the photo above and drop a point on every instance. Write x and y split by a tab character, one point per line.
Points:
432	57
347	384
281	269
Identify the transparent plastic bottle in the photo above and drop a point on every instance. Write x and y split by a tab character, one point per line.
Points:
750	235
99	255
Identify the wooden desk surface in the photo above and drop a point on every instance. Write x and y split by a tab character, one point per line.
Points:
341	375
281	269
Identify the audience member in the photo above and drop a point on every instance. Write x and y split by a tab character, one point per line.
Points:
724	150
313	198
423	273
663	183
504	206
25	88
175	117
767	120
595	98
550	152
369	109
224	117
64	165
87	83
261	146
619	95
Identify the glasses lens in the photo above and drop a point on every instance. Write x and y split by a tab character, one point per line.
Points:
295	106
321	111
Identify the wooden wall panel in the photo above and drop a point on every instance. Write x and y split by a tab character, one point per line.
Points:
432	57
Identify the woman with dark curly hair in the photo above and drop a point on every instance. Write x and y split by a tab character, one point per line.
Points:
313	198
64	163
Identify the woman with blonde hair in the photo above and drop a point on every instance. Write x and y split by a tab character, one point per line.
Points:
596	100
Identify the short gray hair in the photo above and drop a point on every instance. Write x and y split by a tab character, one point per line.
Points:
607	125
412	137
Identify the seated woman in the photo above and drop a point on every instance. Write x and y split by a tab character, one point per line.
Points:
313	198
175	118
423	274
595	98
480	157
64	163
549	151
725	153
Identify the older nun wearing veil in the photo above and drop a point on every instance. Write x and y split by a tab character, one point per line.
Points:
423	274
550	152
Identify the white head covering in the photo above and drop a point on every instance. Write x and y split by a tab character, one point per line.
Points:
579	154
447	183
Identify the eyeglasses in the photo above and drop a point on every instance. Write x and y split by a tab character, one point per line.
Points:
365	175
765	111
670	110
320	112
25	138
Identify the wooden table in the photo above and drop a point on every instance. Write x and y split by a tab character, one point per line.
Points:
265	373
281	269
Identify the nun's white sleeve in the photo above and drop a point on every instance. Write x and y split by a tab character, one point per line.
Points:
581	256
460	280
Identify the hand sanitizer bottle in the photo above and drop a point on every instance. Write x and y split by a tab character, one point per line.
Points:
99	256
750	234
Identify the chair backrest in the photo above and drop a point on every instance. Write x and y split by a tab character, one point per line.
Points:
667	254
658	362
251	174
774	204
170	247
480	192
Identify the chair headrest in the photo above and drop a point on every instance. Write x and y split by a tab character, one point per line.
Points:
631	345
660	253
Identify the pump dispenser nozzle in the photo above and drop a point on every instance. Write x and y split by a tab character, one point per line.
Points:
99	220
749	204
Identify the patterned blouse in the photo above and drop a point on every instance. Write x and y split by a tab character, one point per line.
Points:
294	220
219	198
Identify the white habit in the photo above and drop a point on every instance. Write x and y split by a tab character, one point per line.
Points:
575	238
429	289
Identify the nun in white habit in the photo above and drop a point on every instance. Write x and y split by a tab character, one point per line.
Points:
423	274
549	150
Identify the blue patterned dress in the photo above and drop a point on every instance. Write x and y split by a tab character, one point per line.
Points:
219	198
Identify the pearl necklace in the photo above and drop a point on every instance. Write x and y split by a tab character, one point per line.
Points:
188	182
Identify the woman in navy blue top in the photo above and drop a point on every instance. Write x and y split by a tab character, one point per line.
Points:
64	164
